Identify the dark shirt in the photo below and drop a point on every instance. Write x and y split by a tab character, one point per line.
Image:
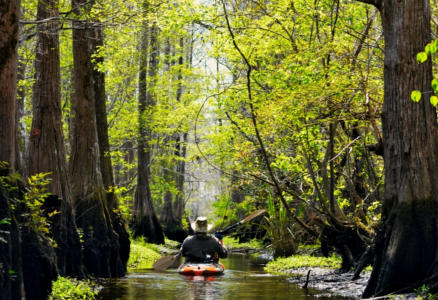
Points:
202	248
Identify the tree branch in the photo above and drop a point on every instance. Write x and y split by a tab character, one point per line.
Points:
257	132
376	3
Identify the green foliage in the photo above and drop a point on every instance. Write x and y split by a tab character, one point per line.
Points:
31	203
34	198
421	57
65	288
434	84
416	96
284	264
124	198
142	254
434	100
233	243
423	293
430	49
279	229
312	65
227	212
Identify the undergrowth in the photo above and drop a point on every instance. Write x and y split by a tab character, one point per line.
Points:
283	264
142	255
65	288
423	293
233	243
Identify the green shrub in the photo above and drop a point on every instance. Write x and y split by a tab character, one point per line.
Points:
142	255
67	288
423	293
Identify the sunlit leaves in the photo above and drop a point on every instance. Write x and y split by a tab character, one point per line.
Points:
416	96
434	85
421	57
434	100
429	49
302	79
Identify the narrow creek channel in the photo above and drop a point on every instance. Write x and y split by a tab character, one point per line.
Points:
244	278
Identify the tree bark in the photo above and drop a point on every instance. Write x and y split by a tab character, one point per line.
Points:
9	16
10	248
101	245
181	146
102	124
407	255
46	149
167	216
145	220
181	152
105	159
20	129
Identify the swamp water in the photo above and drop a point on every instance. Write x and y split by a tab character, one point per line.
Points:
243	278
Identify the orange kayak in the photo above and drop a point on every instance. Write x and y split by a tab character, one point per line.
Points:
201	269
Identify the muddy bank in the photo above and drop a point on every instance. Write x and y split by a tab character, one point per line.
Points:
331	282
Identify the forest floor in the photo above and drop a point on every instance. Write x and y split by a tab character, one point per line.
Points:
332	282
325	276
329	280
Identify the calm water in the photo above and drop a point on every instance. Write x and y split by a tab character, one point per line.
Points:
243	279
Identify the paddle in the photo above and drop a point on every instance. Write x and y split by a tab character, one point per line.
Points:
247	219
166	261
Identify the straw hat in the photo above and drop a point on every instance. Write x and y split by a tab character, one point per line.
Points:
201	225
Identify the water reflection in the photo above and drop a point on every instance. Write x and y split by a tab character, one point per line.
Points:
243	279
201	288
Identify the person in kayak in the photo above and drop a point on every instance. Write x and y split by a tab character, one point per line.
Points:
202	247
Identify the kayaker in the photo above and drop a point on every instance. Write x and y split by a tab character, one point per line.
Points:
202	247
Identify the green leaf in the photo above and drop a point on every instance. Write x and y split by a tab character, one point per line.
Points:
434	100
434	85
5	221
428	49
433	47
416	96
435	44
421	57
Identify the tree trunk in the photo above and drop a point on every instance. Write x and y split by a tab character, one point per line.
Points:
181	146
46	149
105	159
9	16
101	245
20	129
10	249
145	220
407	254
180	175
102	125
11	287
167	216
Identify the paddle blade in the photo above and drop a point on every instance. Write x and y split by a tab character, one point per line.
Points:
253	215
165	262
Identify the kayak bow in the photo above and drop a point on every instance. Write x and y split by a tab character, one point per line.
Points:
201	269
